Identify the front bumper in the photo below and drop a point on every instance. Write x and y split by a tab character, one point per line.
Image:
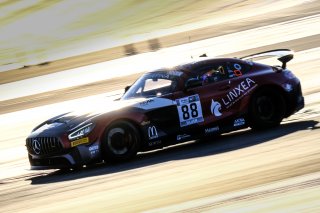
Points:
78	156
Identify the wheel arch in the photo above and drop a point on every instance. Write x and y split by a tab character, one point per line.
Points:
131	121
271	87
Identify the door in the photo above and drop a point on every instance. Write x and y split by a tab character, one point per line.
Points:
219	96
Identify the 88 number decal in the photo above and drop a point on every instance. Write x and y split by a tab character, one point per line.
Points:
189	109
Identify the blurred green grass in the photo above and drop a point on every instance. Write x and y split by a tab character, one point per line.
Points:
37	31
33	31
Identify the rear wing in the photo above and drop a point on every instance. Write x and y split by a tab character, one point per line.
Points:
284	55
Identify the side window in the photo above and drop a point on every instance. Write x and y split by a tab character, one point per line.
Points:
213	73
236	69
158	87
153	84
219	71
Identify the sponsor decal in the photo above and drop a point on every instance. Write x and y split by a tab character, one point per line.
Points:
237	73
175	73
239	122
36	146
160	75
144	103
79	141
211	130
154	103
237	66
215	108
189	110
153	143
144	123
234	95
152	132
182	101
230	72
94	149
181	137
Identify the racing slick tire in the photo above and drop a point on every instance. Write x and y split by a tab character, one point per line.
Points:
267	109
122	142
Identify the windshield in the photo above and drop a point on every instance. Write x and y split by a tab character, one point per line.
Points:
151	85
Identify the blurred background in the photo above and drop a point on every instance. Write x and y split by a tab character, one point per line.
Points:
35	32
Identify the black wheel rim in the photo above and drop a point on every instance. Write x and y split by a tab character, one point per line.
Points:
120	140
265	108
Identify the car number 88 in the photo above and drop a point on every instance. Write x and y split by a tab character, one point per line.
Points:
189	109
189	112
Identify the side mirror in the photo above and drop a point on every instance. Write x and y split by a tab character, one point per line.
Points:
193	82
126	88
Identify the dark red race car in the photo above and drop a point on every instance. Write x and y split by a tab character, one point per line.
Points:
169	106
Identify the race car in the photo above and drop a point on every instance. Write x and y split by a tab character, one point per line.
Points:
167	106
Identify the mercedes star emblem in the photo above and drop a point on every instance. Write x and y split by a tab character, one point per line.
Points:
36	146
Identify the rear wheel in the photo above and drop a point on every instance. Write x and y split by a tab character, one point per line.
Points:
122	141
267	109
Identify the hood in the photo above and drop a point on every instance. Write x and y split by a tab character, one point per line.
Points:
85	114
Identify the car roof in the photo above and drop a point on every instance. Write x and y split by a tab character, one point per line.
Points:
191	67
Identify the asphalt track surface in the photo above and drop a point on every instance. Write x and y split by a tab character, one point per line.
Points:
276	170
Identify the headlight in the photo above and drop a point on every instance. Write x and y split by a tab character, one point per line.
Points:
289	75
80	132
288	87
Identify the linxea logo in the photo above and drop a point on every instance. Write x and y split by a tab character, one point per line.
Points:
215	108
238	92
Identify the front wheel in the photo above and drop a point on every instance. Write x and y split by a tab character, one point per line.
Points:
122	141
267	109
